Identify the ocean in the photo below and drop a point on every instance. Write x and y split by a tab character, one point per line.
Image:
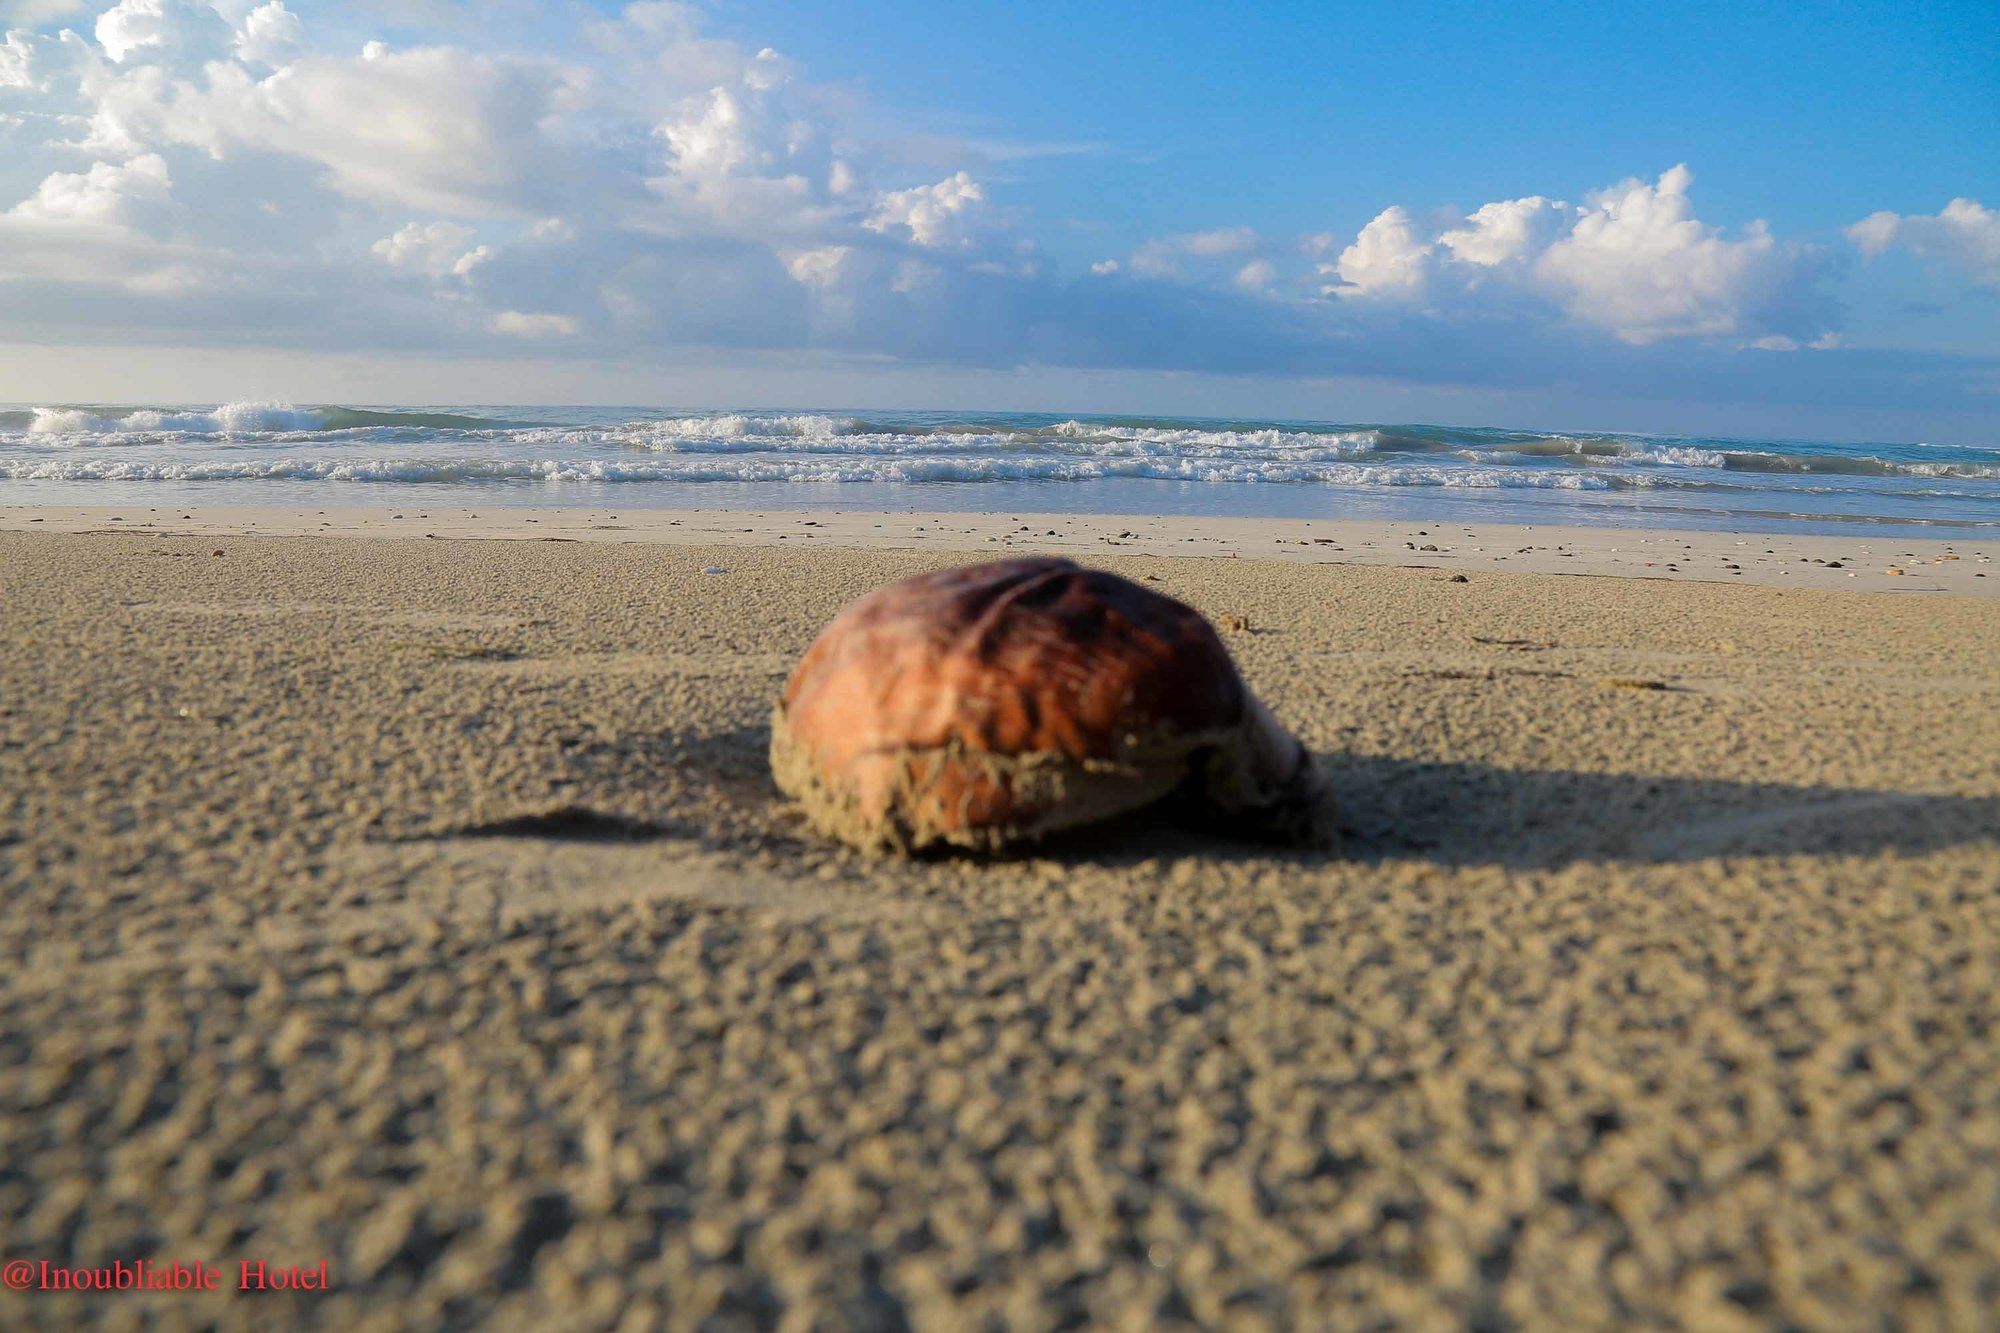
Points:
265	453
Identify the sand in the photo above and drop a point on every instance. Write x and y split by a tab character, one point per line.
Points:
423	907
1855	562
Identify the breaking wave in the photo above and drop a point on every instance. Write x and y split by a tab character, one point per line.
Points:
808	469
250	444
92	424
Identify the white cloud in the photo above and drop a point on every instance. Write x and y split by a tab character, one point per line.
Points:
818	268
946	215
1635	261
1221	241
1778	342
633	181
270	35
1165	256
1391	257
100	229
434	128
718	138
16	61
437	249
107	195
751	154
136	29
1965	235
444	129
616	175
1257	275
34	13
1507	232
1639	263
535	327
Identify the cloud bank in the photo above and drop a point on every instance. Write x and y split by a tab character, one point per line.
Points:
275	174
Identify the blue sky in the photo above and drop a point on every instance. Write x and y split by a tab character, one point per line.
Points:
1782	219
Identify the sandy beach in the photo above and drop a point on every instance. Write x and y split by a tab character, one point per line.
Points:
409	894
1864	560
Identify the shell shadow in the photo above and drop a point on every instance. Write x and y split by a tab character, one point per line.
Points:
1390	809
1477	814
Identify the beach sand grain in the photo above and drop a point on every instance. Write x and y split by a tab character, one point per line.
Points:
425	906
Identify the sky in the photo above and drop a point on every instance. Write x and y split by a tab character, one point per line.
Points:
1747	219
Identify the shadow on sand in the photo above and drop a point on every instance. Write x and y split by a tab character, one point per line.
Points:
1475	814
1453	813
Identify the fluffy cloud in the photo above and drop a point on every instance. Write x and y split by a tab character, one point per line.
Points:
41	74
1634	261
752	154
1965	235
101	229
16	57
140	28
274	171
107	195
1507	232
1638	262
437	249
444	129
947	215
1391	257
818	268
271	34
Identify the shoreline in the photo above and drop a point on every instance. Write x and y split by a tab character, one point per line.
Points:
1862	563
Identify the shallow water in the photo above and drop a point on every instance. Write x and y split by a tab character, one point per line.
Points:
260	453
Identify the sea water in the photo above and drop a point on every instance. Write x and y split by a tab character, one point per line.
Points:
264	453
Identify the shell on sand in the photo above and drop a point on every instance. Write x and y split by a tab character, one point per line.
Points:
984	705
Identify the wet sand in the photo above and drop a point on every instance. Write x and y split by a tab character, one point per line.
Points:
424	907
1852	561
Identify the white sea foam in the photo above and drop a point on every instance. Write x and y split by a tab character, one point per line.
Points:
736	426
1680	456
1290	448
1965	471
801	469
1192	440
254	443
67	421
229	419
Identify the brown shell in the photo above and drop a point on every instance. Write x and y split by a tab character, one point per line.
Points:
982	704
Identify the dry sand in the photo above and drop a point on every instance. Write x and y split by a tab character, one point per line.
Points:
425	907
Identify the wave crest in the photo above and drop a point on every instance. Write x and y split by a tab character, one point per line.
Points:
228	419
805	469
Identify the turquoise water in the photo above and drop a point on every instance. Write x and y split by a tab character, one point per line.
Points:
257	453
